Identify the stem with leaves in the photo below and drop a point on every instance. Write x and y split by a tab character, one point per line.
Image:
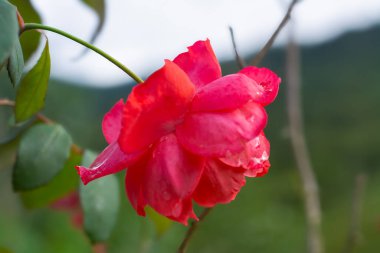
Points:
32	26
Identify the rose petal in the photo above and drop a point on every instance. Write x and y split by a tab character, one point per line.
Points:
254	158
219	184
155	107
266	79
200	63
170	179
134	181
110	161
111	124
226	93
221	133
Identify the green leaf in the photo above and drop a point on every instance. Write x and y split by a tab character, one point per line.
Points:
31	93
29	40
100	204
16	64
65	182
8	28
5	250
161	223
42	154
99	7
8	154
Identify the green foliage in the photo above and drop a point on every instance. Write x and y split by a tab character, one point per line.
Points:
4	250
42	154
30	97
9	30
29	40
100	204
65	182
16	64
161	223
8	154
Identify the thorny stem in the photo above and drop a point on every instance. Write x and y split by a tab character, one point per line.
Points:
260	56
297	138
33	26
191	230
239	60
41	117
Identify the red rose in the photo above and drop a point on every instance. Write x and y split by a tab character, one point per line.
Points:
187	133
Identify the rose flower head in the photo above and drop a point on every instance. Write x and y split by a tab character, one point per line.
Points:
188	134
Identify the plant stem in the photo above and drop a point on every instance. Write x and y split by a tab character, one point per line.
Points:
191	230
298	141
41	117
33	26
239	60
260	56
354	233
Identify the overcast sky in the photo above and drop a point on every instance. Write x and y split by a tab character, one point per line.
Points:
142	33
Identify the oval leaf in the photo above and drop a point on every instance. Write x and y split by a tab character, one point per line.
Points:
31	93
42	153
16	64
9	30
100	204
65	182
29	40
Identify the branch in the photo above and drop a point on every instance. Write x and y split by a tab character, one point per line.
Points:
297	136
356	210
6	102
240	61
260	55
191	230
41	117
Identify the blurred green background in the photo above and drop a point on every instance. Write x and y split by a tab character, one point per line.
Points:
341	90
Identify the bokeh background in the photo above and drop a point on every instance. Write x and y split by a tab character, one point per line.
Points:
340	96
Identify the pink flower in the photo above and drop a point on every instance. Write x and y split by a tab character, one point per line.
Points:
187	133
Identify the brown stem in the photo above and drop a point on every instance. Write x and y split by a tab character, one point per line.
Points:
260	55
6	102
297	136
239	60
44	119
41	117
356	210
191	230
